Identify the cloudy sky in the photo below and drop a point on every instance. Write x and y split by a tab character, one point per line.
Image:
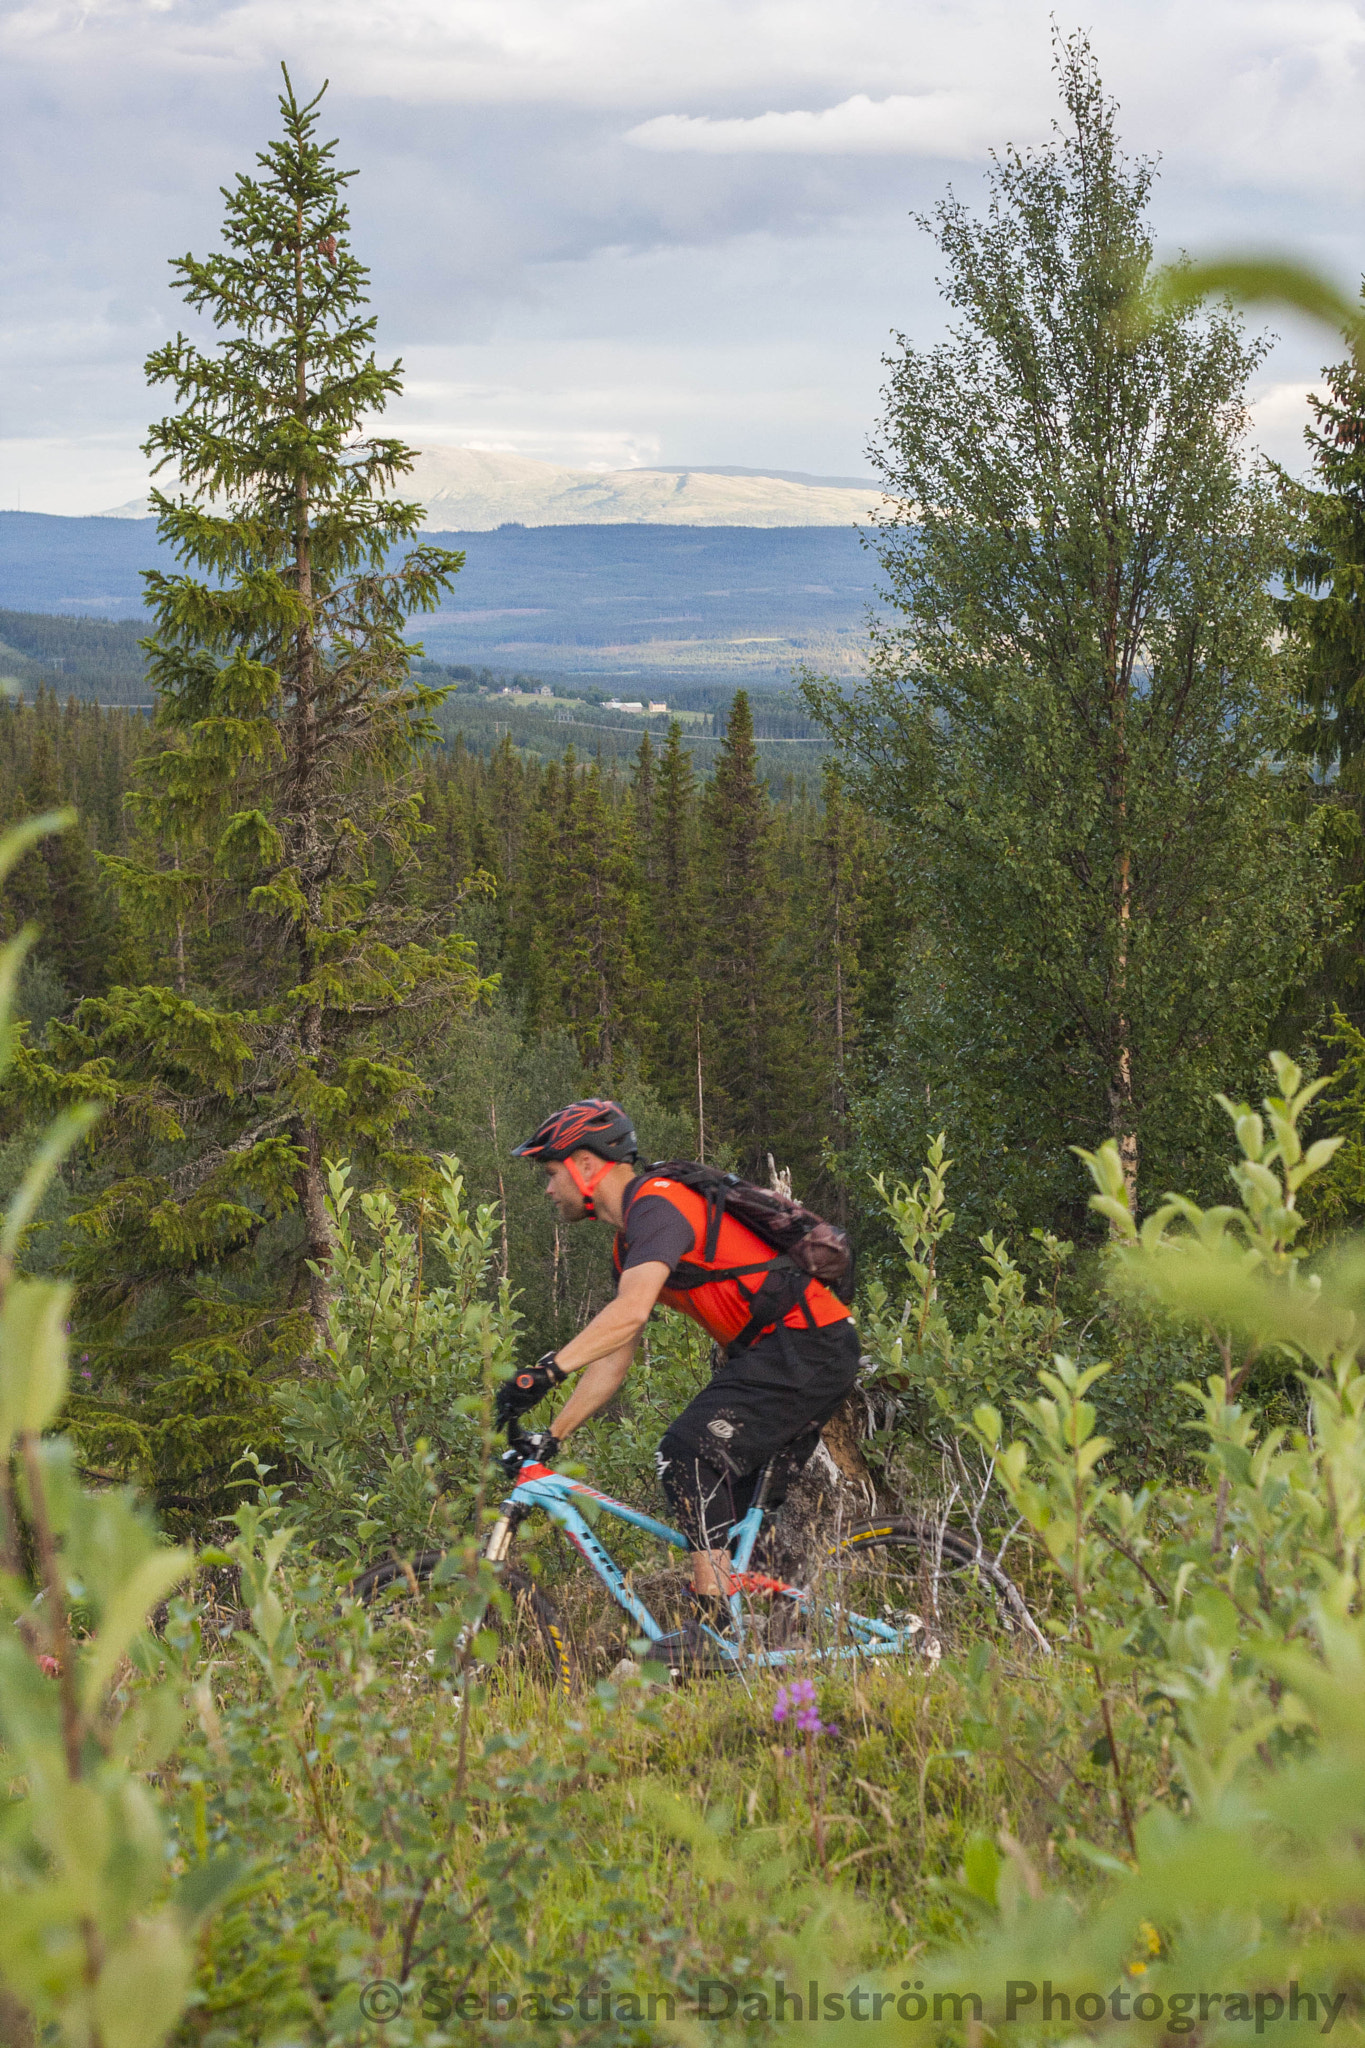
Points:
612	232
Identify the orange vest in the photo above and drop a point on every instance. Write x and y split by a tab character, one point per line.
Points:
723	1307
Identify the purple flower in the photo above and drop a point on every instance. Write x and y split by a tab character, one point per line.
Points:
798	1700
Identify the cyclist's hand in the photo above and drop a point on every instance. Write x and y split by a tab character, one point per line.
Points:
535	1447
542	1446
524	1389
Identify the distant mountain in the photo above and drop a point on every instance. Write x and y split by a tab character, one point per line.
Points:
467	490
786	476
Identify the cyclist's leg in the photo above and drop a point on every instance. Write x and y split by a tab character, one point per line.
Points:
766	1402
705	1501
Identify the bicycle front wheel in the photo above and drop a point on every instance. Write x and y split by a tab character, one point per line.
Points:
532	1634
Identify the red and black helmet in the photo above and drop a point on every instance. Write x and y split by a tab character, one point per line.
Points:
593	1126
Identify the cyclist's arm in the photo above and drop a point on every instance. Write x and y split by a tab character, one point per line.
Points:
602	1351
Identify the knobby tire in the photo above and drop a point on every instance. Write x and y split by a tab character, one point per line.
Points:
528	1602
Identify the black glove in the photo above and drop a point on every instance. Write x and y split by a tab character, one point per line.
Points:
524	1389
537	1447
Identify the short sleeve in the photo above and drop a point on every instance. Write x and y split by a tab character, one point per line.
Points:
655	1232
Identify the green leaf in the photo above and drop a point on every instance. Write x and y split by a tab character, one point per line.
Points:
21	838
204	1886
981	1869
125	1615
143	1985
1256	280
32	1356
12	958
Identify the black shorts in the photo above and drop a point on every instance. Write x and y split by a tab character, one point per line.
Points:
763	1403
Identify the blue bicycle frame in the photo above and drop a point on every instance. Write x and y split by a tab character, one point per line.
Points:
556	1494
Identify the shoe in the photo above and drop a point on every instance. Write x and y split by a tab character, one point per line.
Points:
690	1653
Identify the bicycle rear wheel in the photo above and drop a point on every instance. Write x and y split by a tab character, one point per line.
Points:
531	1634
893	1567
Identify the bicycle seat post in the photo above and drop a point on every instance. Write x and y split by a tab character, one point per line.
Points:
764	1486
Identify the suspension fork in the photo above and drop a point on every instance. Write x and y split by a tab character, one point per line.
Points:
501	1534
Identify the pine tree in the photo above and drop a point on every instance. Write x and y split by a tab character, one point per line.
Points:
280	820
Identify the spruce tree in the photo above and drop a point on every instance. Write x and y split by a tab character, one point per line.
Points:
642	793
57	886
280	821
754	1087
574	955
666	849
834	905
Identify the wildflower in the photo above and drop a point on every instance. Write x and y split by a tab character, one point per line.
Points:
798	1701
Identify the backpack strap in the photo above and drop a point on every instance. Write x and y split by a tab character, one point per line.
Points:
770	1302
715	1210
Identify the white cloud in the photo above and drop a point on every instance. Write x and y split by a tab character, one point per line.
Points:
1279	414
940	124
613	230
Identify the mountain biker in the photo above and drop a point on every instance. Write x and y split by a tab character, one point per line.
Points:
777	1382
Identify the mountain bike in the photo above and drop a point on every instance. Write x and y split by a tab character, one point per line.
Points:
862	1605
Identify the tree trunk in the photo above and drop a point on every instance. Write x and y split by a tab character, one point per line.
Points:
1122	1121
841	1439
320	1234
321	1238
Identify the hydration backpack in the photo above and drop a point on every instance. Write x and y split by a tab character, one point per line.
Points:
805	1247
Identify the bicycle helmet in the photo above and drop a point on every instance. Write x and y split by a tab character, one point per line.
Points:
595	1125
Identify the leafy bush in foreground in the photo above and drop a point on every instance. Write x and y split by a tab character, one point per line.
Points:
1223	1625
95	1949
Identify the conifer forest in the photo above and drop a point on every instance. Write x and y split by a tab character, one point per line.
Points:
1042	979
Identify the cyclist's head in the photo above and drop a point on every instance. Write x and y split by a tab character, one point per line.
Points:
596	1126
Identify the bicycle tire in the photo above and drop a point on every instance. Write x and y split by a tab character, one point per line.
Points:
528	1602
954	1553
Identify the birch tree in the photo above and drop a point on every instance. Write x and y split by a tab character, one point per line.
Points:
1076	711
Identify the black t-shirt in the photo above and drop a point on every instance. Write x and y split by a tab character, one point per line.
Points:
654	1231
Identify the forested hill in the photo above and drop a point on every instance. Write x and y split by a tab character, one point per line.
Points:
640	905
97	661
653	607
